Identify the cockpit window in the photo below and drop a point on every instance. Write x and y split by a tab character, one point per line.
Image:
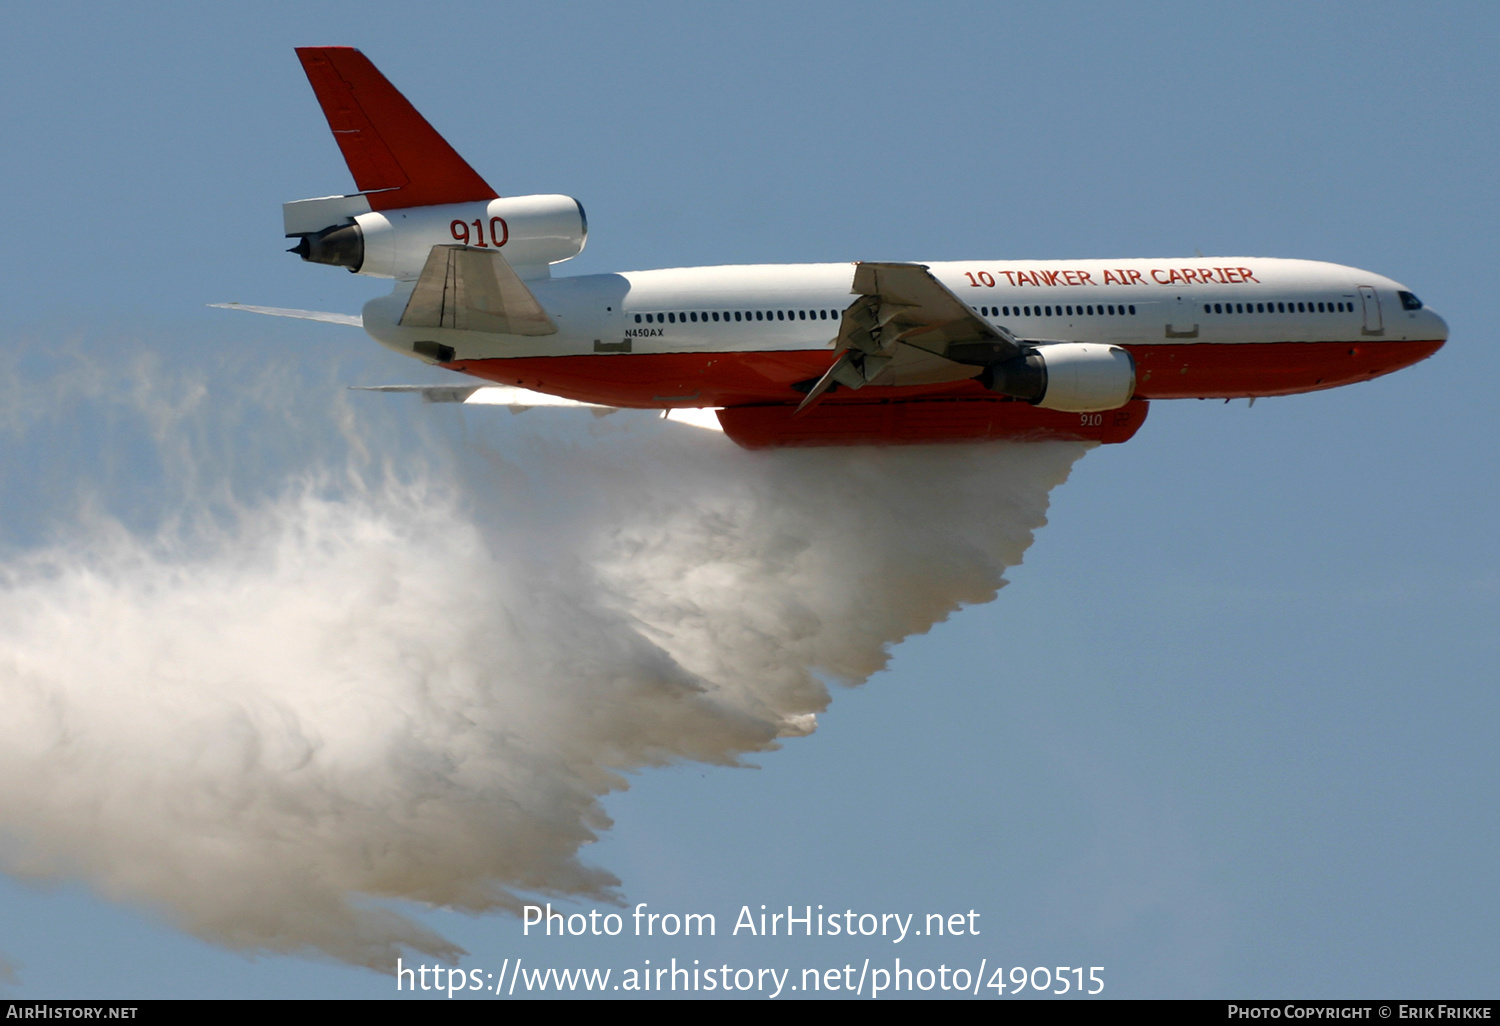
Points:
1409	301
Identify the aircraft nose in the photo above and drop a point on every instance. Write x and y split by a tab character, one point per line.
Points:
1426	334
1439	327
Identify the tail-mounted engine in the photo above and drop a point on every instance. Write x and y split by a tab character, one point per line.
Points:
531	232
415	191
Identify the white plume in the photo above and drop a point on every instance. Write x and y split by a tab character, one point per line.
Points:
288	678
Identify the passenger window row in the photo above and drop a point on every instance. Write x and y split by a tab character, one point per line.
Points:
700	316
1105	310
1338	307
1097	310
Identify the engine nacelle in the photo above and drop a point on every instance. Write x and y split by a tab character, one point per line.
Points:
531	231
1075	377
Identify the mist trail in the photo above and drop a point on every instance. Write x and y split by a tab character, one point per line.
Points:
414	676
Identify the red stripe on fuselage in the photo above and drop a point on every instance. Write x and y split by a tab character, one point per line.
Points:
1185	371
1208	370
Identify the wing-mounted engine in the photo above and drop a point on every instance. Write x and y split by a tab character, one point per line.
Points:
532	232
909	328
1076	377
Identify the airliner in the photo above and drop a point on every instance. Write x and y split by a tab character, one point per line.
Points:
812	354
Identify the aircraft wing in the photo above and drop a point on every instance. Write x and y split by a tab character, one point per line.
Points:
485	395
908	328
519	400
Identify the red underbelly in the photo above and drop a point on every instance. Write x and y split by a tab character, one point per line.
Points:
1184	371
1209	370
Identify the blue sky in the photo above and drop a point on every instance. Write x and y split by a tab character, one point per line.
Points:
1229	729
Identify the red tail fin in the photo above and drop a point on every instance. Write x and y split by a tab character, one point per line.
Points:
396	157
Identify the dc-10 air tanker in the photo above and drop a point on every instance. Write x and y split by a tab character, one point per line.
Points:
812	354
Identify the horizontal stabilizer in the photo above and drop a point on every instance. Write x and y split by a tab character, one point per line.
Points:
353	320
396	157
470	289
